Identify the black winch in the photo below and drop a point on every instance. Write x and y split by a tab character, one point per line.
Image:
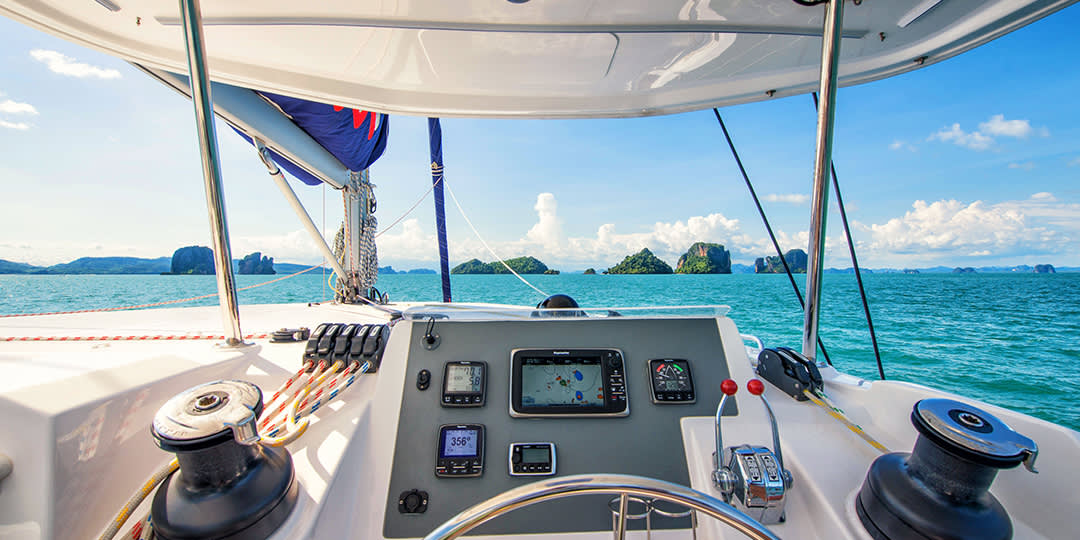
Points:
229	486
941	489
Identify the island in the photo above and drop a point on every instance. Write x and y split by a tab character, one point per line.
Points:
192	260
255	263
1044	269
796	260
965	270
704	258
589	272
521	265
642	262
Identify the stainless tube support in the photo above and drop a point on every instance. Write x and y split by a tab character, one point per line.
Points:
297	206
718	456
830	60
620	526
191	16
615	484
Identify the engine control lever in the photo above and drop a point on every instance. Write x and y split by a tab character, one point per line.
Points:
751	478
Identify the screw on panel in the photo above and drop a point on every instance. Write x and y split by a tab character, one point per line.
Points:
770	93
921	60
881	35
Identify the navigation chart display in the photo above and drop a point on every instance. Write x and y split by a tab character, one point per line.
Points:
562	382
567	383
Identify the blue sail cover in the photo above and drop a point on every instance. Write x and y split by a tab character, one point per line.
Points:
356	138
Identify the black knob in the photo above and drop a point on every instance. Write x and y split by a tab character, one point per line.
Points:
423	379
516	457
613	361
412	502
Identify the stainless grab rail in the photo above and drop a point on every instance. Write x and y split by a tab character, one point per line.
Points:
617	484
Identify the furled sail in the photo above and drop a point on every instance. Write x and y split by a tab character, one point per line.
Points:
356	138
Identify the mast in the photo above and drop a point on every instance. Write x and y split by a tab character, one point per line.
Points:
830	59
191	15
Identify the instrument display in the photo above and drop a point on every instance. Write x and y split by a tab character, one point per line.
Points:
464	384
671	381
554	382
461	451
532	459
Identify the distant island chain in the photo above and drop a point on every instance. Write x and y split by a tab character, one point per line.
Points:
700	258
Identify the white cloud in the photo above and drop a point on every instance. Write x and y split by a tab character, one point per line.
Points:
1075	162
793	198
939	232
998	125
66	65
21	126
548	229
959	137
294	246
951	228
902	145
14	107
1027	166
983	138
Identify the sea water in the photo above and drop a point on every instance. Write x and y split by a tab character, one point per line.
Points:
1009	339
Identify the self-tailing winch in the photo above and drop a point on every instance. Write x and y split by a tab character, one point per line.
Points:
229	485
941	489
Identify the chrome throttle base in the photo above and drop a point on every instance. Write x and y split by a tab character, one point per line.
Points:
751	478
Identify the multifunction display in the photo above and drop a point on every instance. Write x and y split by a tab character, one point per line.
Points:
464	384
671	381
461	451
571	382
532	459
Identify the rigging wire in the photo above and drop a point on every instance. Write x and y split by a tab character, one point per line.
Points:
410	210
477	233
854	260
765	220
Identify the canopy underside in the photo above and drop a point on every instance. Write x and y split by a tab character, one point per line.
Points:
540	58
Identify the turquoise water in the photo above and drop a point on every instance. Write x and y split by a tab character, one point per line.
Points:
1010	339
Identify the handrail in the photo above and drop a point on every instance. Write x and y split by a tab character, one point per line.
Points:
618	484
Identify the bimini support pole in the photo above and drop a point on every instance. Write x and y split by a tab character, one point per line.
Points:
191	17
830	60
298	207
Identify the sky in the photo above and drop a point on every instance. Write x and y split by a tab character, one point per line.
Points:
973	161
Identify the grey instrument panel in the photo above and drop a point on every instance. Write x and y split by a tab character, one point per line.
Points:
648	442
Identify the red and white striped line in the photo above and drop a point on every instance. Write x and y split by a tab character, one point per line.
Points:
160	337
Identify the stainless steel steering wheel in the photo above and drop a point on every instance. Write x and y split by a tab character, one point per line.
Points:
618	484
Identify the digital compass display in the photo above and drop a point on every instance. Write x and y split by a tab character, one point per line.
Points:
671	381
